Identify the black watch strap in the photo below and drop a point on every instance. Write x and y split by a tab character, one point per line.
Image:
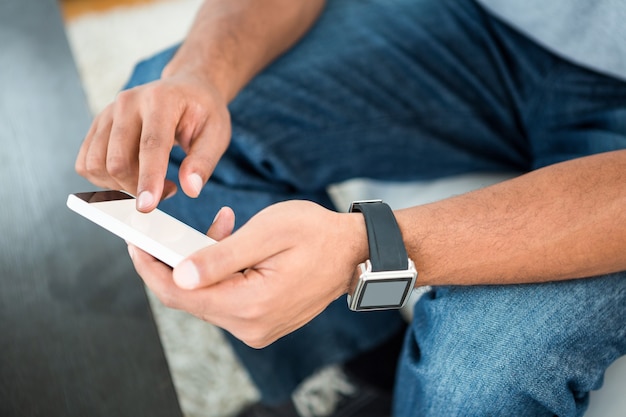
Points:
387	251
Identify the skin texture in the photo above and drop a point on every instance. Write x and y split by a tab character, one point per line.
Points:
290	261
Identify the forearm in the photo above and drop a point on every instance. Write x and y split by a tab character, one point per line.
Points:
563	221
231	40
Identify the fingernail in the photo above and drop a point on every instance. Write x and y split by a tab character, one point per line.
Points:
145	200
186	275
196	182
217	215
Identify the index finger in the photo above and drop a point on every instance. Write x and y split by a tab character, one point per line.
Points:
156	141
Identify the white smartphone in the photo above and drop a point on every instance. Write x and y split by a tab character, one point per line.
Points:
157	233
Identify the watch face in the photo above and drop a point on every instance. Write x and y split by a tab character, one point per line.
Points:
384	294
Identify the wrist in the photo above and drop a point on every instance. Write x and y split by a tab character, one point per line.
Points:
358	247
388	276
211	72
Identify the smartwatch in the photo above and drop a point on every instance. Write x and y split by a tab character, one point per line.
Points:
386	279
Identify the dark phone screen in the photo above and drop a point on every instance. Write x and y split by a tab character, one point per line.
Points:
100	196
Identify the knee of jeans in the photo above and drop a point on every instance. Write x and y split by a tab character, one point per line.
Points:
484	356
479	380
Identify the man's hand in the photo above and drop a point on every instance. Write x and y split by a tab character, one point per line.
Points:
128	144
269	278
229	42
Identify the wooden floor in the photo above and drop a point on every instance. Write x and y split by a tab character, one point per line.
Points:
75	8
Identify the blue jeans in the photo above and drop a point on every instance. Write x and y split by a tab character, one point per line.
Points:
414	90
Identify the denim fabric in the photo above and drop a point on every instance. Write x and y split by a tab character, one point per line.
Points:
519	350
417	90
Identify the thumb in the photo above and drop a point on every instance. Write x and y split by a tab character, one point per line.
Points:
223	224
250	245
185	274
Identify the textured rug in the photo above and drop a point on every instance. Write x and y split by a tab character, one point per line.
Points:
106	45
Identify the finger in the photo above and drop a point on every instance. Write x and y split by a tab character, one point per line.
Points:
204	153
80	164
91	162
155	144
247	247
223	224
123	147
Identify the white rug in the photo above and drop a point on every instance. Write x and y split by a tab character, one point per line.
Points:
106	45
209	381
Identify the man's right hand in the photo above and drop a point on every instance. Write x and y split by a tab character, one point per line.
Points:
128	144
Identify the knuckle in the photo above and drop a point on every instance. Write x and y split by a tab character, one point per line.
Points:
124	98
154	93
92	165
150	141
117	166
